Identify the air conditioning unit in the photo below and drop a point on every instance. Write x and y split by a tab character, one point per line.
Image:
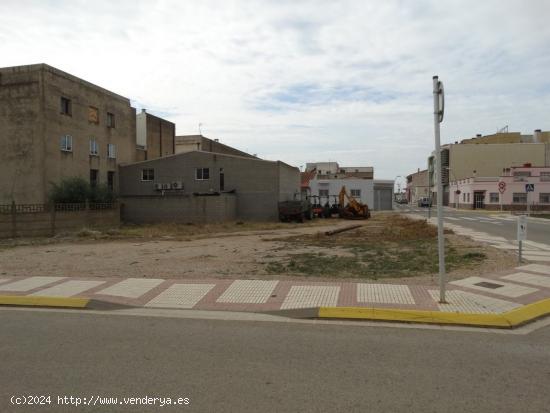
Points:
158	187
177	185
166	186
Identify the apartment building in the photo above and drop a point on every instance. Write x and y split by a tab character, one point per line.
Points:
54	125
417	186
486	156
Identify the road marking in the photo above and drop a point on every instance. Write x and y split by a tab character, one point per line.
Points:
384	293
248	291
181	296
505	289
530	257
29	283
131	287
68	288
539	280
463	302
541	269
311	296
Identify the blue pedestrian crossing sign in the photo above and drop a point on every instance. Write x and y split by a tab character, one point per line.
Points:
529	187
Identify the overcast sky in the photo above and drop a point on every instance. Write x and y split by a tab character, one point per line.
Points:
300	81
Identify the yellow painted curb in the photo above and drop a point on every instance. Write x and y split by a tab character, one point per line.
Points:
37	301
509	319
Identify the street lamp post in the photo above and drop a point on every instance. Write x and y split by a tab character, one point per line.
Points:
439	109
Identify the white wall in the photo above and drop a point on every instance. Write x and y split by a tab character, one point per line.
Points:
366	186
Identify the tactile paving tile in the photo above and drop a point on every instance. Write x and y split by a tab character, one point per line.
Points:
463	302
131	287
384	293
527	278
311	296
506	289
541	269
181	296
68	288
248	291
29	283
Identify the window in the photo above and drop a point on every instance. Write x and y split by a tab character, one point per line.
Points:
323	192
67	143
544	198
464	197
94	175
147	174
545	176
110	180
356	193
93	147
521	175
110	120
493	197
66	108
468	196
111	151
519	198
93	115
202	174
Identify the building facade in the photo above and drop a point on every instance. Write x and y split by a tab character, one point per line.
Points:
203	186
155	137
54	125
487	156
417	186
516	189
189	143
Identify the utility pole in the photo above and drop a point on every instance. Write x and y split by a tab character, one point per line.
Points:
439	109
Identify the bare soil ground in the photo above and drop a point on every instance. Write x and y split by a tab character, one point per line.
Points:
252	251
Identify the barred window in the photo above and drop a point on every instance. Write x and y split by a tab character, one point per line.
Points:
147	174
519	198
544	198
493	197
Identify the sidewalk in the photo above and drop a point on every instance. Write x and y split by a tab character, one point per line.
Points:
486	294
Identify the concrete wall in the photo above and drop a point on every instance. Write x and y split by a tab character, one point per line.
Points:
255	181
180	209
156	134
44	224
289	181
31	119
490	159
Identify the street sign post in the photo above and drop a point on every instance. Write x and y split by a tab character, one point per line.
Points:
522	233
529	188
501	189
439	110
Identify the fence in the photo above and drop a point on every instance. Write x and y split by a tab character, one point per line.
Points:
32	220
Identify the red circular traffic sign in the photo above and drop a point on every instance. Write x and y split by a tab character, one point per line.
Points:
502	186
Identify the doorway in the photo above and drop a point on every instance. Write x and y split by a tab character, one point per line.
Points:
479	199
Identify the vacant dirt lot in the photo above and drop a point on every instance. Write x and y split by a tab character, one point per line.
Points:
251	251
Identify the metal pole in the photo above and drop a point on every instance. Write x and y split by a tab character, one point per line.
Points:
519	251
438	169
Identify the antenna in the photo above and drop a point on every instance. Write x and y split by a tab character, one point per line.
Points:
200	132
503	129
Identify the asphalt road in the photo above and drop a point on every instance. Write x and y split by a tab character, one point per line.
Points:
538	230
237	366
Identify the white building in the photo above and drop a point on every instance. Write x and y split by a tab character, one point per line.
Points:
361	189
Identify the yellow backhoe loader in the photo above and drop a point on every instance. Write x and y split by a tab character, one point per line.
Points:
353	209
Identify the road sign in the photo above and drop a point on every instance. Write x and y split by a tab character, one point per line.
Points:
529	187
522	228
502	187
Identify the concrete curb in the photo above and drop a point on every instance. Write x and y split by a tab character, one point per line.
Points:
40	301
510	319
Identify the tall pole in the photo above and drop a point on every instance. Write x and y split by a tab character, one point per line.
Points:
438	118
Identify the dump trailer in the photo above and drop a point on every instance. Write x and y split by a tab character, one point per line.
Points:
353	209
296	210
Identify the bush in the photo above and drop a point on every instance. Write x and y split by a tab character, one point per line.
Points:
77	190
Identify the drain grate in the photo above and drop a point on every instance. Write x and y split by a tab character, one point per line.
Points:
492	286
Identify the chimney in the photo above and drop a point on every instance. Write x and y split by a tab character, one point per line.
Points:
143	110
536	136
216	140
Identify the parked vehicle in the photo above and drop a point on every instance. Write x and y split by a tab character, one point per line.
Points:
353	209
425	202
401	201
297	210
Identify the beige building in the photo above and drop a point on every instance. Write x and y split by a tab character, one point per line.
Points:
487	156
54	125
417	186
189	143
155	137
